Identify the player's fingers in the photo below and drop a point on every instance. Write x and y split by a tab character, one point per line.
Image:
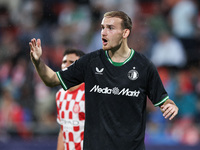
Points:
173	115
38	42
168	112
31	45
166	109
33	41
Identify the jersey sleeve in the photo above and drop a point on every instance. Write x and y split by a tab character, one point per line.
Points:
74	74
156	91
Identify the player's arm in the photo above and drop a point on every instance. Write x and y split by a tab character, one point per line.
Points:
169	109
60	143
47	75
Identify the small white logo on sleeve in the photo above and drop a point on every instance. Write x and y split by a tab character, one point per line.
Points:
99	71
133	74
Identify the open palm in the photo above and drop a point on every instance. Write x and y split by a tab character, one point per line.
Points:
35	49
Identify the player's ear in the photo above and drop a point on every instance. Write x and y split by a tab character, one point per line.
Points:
126	33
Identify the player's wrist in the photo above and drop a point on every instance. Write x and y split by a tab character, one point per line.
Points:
36	62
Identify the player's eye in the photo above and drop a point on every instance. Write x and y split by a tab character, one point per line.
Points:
110	27
102	27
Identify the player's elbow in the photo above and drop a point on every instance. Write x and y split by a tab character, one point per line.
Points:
51	84
52	81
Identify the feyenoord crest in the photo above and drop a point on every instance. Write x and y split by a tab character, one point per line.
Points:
133	74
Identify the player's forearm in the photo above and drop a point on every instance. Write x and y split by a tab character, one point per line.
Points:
60	143
47	75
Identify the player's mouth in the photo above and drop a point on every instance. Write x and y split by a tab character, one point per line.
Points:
104	41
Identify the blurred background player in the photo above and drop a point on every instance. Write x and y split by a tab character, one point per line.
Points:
71	109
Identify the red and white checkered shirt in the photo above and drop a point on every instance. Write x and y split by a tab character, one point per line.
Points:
71	116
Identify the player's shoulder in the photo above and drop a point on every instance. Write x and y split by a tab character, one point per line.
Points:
82	86
89	57
145	62
94	54
59	93
142	58
61	90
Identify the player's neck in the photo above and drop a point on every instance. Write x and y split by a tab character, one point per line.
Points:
74	88
121	54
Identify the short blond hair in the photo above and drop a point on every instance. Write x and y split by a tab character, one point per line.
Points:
126	20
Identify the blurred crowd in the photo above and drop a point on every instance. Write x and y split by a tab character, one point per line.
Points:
165	31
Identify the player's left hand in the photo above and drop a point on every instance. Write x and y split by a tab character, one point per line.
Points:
169	109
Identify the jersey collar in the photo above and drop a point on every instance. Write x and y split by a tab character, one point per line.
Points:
120	63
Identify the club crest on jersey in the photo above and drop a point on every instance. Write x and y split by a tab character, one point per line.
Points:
76	108
133	74
99	71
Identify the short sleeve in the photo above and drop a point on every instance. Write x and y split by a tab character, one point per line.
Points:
156	91
74	74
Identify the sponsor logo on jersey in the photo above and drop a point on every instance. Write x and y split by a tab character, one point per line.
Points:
115	91
99	71
133	74
69	122
68	125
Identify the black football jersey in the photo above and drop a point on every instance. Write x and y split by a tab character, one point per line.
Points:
115	98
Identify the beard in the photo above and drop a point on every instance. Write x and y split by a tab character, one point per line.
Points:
105	48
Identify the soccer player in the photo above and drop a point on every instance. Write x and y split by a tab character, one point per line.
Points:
117	80
71	108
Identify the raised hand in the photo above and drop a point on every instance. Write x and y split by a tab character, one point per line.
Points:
35	50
